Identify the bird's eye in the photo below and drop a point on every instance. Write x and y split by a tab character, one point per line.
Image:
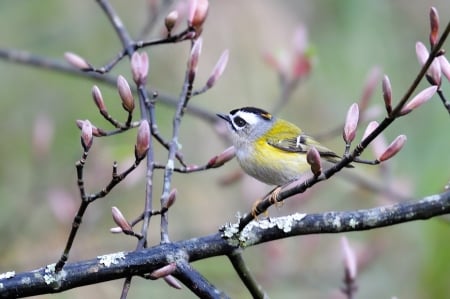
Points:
239	121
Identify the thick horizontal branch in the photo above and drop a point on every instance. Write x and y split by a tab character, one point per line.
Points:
123	264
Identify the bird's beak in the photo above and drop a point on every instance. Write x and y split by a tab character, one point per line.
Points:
224	116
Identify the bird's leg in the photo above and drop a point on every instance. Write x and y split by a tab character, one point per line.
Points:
273	197
272	200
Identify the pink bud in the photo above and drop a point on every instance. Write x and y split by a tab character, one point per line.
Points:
378	145
143	140
125	94
163	271
218	69
193	60
171	199
422	53
387	94
421	98
115	230
222	158
300	67
393	148
371	82
313	159
42	138
98	98
171	281
351	123
77	61
434	73
300	40
445	66
86	135
171	20
198	13
139	67
349	257
370	128
434	26
120	220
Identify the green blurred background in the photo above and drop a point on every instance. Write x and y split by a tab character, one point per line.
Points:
38	193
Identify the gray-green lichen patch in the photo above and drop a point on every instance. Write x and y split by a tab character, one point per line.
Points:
111	259
52	278
247	236
7	275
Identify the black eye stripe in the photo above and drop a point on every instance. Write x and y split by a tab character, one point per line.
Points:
239	121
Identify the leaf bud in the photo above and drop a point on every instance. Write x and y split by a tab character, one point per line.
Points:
98	98
77	61
313	159
218	69
139	67
86	135
351	123
143	140
434	26
393	148
125	94
163	271
222	158
421	98
120	220
445	66
170	20
387	94
350	261
198	11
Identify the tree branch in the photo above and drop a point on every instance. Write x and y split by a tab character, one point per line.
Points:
123	264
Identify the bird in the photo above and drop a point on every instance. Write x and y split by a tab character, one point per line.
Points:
271	149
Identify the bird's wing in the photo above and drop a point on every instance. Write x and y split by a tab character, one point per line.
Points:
301	144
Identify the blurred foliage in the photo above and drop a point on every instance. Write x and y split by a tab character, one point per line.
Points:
38	191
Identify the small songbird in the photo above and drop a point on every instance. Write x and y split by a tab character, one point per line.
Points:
270	149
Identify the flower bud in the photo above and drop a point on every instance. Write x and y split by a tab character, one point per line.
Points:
171	281
422	53
369	86
143	140
120	220
86	135
222	158
77	61
115	230
170	199
98	98
351	123
218	69
198	11
139	67
445	66
193	60
387	94
370	128
349	257
434	73
163	271
125	94
421	98
171	20
42	138
434	26
313	159
393	148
